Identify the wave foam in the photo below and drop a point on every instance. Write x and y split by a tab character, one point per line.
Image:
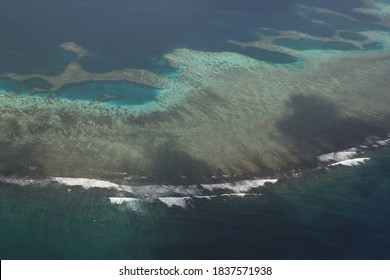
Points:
143	191
351	162
150	191
175	201
128	203
384	142
240	194
338	156
241	186
208	197
85	183
120	200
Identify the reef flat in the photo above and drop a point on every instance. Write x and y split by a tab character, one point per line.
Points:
74	48
73	73
226	115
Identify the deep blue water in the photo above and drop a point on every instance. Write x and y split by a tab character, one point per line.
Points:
121	34
341	213
135	33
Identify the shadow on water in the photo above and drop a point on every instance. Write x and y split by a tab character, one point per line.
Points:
317	217
21	160
173	166
318	122
18	157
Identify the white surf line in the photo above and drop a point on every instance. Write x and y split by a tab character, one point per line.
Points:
351	162
348	157
384	142
147	191
120	200
184	201
85	183
338	156
345	158
241	186
240	194
23	182
175	201
208	197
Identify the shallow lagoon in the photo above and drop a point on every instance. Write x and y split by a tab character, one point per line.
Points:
124	94
241	97
260	109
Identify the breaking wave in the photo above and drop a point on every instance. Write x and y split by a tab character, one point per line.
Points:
182	195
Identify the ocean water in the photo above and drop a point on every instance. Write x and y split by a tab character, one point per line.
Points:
121	34
136	35
340	213
128	94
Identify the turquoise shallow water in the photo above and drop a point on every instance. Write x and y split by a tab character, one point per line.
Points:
114	43
9	85
123	94
342	213
128	94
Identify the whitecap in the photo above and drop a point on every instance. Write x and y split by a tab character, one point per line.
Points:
208	197
234	194
151	191
85	183
145	190
120	200
240	194
384	142
351	162
128	203
338	156
175	201
239	187
24	182
166	190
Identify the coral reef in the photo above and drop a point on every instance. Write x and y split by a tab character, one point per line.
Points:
224	115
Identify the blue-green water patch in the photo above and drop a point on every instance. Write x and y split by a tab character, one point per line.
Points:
375	46
9	85
163	68
121	93
304	44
